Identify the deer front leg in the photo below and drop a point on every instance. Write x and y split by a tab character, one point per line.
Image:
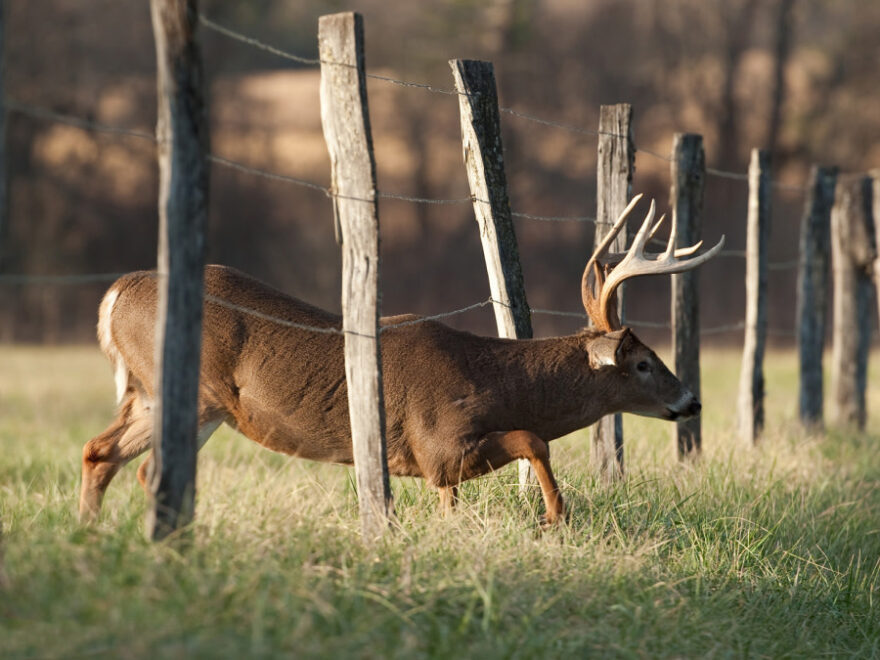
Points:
448	499
498	449
208	423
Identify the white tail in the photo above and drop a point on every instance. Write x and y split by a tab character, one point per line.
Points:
457	405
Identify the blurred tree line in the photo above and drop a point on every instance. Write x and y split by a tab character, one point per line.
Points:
795	76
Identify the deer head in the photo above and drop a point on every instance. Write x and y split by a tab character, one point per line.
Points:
651	389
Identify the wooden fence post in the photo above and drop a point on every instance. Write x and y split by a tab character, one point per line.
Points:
875	213
688	178
852	254
614	174
4	173
4	579
182	134
346	121
750	409
815	257
484	161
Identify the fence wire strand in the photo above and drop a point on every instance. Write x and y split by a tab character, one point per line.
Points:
256	43
88	278
315	61
261	45
85	124
554	218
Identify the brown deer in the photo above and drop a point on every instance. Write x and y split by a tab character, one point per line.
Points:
457	405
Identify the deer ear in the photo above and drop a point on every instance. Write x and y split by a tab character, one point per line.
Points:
603	350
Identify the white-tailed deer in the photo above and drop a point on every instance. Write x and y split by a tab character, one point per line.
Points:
457	405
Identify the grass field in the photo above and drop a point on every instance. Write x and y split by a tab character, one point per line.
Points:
767	552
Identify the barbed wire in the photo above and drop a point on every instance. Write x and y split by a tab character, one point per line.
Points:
91	125
554	218
87	124
657	325
71	120
256	43
443	315
717	330
783	265
773	265
256	171
86	278
736	176
72	279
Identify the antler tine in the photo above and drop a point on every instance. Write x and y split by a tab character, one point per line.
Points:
615	230
687	251
641	237
670	246
656	227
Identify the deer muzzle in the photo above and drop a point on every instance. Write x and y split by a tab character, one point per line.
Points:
686	407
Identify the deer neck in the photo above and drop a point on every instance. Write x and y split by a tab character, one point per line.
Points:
552	390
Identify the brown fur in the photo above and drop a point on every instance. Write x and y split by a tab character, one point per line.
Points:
457	405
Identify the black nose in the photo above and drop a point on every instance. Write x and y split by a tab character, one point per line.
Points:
694	409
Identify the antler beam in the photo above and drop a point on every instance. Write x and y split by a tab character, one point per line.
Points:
616	268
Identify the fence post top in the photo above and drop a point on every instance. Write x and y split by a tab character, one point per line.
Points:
688	137
466	62
342	16
613	106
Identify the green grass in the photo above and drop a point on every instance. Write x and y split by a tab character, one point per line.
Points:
767	552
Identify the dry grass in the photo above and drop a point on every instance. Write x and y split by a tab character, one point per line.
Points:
773	551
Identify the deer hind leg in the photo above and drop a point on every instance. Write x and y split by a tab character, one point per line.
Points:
498	449
128	436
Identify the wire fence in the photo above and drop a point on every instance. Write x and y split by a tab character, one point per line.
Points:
86	124
47	114
256	43
74	279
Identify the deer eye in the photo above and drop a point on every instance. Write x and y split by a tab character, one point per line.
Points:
643	366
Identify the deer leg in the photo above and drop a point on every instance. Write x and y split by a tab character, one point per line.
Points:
448	499
128	436
498	449
207	425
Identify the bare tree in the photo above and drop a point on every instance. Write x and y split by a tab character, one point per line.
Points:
781	52
737	21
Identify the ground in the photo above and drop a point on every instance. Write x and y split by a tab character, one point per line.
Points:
771	551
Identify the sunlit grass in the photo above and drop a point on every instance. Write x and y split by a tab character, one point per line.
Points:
769	551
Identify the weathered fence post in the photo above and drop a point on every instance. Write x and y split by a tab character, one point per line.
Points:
852	254
4	579
346	121
875	212
182	134
750	408
484	161
614	174
4	173
815	256
688	179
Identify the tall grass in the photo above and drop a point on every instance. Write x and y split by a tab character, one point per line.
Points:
766	552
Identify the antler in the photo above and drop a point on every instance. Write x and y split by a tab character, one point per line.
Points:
632	263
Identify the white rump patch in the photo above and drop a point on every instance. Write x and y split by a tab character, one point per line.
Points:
105	339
